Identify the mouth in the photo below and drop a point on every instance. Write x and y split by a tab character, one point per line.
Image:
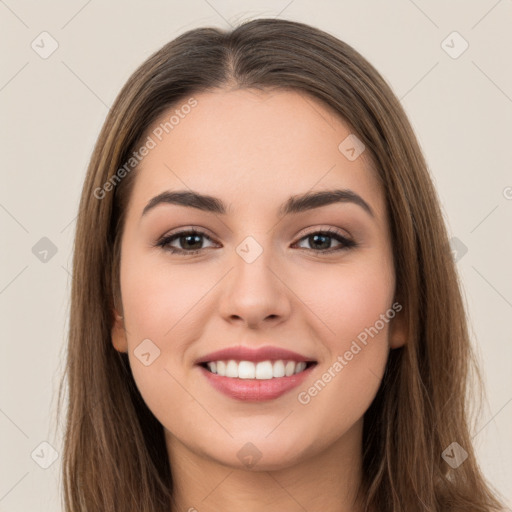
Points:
255	375
262	370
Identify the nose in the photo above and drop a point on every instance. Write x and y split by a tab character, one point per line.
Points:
254	294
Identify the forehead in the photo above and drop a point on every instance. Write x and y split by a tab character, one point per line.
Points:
260	145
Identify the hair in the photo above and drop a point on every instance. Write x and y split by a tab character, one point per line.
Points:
114	454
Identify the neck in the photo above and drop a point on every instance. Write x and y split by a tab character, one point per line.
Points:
327	481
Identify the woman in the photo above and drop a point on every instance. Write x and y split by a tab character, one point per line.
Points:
265	311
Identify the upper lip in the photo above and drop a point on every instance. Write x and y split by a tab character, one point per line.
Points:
241	353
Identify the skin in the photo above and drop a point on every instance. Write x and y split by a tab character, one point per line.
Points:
254	150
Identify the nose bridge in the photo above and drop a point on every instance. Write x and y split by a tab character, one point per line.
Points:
255	293
253	263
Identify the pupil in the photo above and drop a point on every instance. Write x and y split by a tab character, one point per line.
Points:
197	241
324	237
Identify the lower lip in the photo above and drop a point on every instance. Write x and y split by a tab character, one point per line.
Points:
256	390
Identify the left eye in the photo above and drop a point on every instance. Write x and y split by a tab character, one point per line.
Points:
190	242
321	239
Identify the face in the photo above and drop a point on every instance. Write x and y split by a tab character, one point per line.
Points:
265	271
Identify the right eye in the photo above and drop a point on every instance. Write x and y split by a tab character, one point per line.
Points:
188	241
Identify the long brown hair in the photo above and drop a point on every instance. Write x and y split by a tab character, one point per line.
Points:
114	455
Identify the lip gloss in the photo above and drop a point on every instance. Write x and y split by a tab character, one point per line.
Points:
255	390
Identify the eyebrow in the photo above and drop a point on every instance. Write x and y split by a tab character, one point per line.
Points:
295	204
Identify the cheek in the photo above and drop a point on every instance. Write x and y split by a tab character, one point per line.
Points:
157	297
348	298
162	304
353	307
158	305
354	304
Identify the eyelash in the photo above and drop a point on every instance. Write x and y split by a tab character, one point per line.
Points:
331	233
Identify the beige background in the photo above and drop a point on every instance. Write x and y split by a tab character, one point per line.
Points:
52	110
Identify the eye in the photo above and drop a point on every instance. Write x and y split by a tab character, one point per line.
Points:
320	241
189	242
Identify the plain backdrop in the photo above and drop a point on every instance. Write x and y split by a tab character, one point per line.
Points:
458	99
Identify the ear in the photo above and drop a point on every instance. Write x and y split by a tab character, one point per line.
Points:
118	333
398	328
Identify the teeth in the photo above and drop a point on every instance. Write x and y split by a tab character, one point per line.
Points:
263	370
300	367
232	369
246	370
290	368
221	368
278	369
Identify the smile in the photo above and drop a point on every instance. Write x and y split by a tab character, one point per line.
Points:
263	370
255	374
